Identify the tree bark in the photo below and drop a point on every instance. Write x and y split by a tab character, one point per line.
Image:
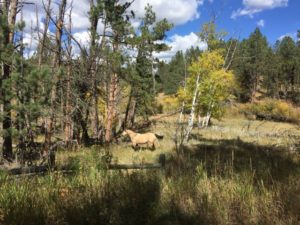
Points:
192	114
55	69
111	107
91	69
43	40
130	112
68	120
10	8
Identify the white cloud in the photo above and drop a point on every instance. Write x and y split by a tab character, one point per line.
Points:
260	23
255	6
175	11
291	35
79	13
181	43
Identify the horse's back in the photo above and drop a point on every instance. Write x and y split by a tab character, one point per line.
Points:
144	138
152	136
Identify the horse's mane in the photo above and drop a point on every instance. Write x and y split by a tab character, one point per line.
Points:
131	133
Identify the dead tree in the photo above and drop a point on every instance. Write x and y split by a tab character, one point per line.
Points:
42	40
68	120
56	63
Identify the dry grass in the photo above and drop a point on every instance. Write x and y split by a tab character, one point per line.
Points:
235	172
264	133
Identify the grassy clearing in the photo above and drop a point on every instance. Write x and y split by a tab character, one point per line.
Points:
235	172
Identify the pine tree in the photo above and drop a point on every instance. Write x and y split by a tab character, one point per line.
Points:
8	15
289	78
271	80
250	65
192	54
175	75
143	81
118	19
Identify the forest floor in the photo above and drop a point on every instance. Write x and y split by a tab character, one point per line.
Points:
237	171
276	135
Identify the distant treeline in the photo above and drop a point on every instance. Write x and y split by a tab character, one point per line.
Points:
260	70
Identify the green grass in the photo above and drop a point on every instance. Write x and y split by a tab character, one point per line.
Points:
235	172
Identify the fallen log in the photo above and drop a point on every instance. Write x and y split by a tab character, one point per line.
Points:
135	166
28	170
161	116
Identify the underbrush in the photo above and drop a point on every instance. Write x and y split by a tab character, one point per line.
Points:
219	183
167	103
271	109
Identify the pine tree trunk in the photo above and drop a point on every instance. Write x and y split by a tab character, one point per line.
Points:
94	16
111	107
85	135
55	67
7	123
95	53
111	112
95	112
130	112
42	44
68	121
10	7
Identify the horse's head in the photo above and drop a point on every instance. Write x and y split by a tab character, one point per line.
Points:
124	133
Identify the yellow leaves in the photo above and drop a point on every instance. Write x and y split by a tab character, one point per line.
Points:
207	62
181	94
211	60
215	83
169	102
102	106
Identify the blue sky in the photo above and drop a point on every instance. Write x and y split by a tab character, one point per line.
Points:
273	22
276	18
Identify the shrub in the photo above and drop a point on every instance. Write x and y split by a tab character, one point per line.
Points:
167	102
271	109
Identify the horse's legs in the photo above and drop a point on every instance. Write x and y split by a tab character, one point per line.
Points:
153	146
135	146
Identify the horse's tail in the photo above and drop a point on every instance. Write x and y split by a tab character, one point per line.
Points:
159	136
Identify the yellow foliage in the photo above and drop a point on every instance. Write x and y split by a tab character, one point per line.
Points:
101	106
168	102
214	87
207	62
272	109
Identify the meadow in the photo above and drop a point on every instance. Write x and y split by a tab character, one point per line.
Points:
237	171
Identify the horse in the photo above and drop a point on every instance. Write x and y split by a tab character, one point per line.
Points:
147	138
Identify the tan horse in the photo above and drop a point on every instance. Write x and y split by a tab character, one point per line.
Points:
137	138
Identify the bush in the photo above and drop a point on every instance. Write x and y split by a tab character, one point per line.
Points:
168	103
271	109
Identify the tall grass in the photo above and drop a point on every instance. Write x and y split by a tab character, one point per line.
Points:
211	189
217	179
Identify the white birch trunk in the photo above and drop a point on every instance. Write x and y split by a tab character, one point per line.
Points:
192	114
207	118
